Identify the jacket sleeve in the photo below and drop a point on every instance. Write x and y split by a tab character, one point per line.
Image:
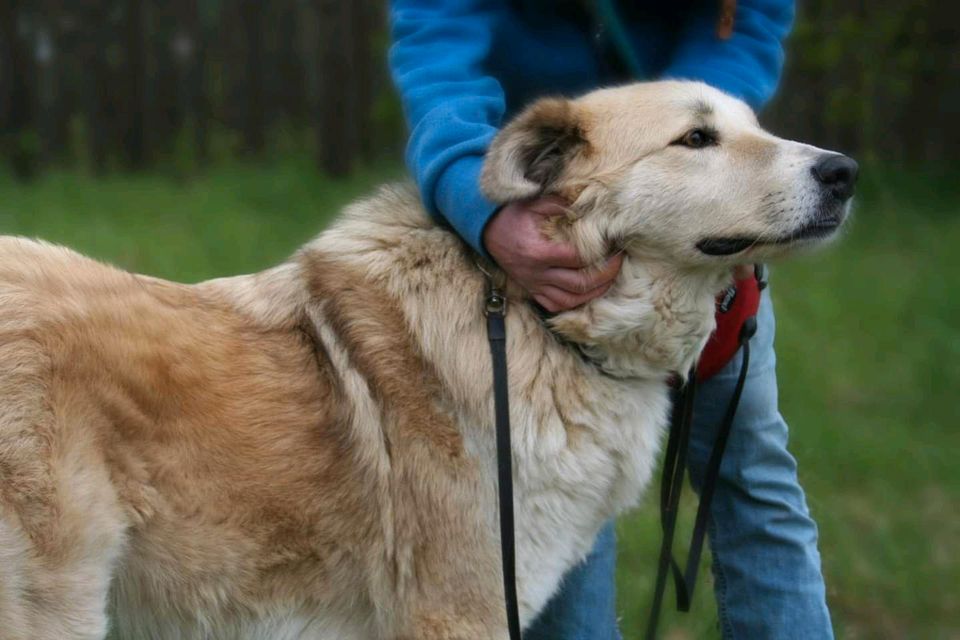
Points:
453	106
749	63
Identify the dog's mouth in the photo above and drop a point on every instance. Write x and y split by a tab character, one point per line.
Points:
817	230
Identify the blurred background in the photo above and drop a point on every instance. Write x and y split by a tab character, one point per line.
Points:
196	138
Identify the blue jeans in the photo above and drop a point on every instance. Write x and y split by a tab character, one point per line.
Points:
766	566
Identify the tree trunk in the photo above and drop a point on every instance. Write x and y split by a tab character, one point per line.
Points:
17	127
336	86
288	89
251	18
200	98
135	138
369	20
96	83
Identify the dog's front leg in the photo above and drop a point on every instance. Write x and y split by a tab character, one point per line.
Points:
463	619
452	626
447	589
442	573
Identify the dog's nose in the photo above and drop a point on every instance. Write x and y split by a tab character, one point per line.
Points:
837	172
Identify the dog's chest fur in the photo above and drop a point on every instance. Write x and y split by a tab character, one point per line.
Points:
577	467
584	447
585	443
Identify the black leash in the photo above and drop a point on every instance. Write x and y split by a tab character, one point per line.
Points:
495	308
671	484
674	465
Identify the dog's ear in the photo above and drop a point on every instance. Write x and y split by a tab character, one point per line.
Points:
530	153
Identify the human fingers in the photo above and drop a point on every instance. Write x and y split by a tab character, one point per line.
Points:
557	254
579	281
554	299
550	252
515	240
546	251
548	206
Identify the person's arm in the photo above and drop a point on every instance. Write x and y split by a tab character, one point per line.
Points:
454	108
453	105
746	65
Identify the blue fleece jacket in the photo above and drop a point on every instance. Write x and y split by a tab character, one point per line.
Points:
461	66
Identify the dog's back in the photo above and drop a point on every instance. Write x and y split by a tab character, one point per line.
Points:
59	520
138	422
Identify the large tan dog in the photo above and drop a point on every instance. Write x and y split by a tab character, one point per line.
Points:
308	452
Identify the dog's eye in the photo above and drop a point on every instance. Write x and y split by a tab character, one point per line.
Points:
697	139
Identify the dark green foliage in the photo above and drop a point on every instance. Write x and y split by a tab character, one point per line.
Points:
146	83
877	79
154	81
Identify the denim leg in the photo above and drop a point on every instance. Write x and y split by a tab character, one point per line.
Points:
585	606
764	543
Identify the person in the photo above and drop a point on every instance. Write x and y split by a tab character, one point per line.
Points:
461	67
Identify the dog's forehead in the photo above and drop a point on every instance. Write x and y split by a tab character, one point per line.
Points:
667	105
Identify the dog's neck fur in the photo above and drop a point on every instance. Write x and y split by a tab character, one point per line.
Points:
651	323
655	319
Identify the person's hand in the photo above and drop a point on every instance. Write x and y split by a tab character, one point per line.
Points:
550	271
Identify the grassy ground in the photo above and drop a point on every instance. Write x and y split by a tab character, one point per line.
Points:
868	345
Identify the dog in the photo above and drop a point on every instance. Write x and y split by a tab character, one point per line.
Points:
308	452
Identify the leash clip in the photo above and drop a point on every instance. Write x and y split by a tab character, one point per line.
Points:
495	303
760	273
495	300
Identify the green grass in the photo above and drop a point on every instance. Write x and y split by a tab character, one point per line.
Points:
868	347
233	219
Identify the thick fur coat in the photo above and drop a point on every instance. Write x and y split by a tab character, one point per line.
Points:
308	452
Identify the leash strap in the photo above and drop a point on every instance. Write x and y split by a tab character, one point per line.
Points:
674	465
497	335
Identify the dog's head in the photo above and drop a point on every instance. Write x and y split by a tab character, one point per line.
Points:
676	171
684	180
